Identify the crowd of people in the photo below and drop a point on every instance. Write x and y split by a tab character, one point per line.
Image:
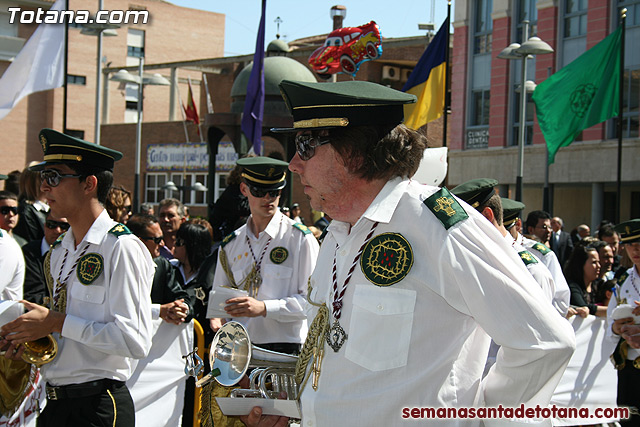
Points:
448	294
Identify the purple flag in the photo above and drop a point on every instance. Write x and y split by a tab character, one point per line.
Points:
254	103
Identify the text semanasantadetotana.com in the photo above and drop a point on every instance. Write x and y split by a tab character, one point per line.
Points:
520	412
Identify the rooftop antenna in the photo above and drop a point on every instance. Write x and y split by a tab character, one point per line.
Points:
278	21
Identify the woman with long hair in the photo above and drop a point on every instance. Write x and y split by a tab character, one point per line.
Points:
582	269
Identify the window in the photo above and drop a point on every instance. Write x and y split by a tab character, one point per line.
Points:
528	132
575	18
480	108
633	13
630	102
155	193
483	27
7	29
76	80
135	43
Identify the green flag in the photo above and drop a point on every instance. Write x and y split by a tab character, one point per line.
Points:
580	95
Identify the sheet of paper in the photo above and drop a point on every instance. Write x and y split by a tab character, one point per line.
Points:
231	406
217	298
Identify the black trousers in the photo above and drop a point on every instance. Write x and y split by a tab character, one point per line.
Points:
113	406
629	392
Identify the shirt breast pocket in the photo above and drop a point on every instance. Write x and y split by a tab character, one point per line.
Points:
90	294
380	327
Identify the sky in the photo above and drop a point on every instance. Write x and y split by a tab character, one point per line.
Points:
303	18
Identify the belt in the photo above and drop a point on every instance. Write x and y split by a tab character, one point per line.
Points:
75	391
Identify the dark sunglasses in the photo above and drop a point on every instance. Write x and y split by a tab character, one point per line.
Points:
260	193
51	224
179	242
127	208
156	240
306	145
52	177
6	209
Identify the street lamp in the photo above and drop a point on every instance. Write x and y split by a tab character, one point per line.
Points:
532	46
141	80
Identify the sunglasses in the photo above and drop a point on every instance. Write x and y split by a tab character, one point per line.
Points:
6	209
52	177
306	145
156	240
260	193
51	224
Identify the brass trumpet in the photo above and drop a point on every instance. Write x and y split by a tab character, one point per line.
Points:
41	351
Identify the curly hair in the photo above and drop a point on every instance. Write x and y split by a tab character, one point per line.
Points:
379	152
115	203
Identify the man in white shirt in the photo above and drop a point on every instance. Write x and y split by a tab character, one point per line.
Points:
410	283
100	277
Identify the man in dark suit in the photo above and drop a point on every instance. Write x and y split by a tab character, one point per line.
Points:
35	287
561	243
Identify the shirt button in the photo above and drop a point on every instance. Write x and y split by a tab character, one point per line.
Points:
309	423
343	252
380	307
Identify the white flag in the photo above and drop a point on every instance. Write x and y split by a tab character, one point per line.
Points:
38	66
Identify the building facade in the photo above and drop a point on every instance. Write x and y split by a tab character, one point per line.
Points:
485	106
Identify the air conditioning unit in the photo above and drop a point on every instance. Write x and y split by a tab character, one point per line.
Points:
404	74
390	73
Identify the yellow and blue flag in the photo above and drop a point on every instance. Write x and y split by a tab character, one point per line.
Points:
427	82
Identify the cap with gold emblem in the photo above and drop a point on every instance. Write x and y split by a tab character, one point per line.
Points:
264	172
342	104
629	231
60	148
510	211
476	191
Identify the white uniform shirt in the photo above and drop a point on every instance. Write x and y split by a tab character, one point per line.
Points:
284	283
562	294
108	322
630	293
421	342
11	268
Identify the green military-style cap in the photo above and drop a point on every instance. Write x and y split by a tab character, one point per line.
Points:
342	104
510	211
629	231
264	172
476	192
59	148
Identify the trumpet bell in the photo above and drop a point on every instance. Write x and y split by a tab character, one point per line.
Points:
230	353
41	351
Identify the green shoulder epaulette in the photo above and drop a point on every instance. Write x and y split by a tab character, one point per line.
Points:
119	230
543	249
446	208
58	240
527	257
622	278
0	233
227	239
302	228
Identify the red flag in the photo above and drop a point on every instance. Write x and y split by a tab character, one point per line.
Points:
190	110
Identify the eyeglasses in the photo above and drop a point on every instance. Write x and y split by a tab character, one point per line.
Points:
179	242
260	193
51	224
156	240
52	177
6	209
306	145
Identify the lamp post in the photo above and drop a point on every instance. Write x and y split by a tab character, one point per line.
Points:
141	80
532	46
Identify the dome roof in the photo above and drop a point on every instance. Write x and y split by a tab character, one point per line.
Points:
278	45
276	69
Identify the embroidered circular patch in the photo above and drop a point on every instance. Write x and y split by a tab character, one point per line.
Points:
386	259
278	255
90	267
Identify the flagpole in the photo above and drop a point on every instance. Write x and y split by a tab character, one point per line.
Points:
623	17
447	99
66	66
